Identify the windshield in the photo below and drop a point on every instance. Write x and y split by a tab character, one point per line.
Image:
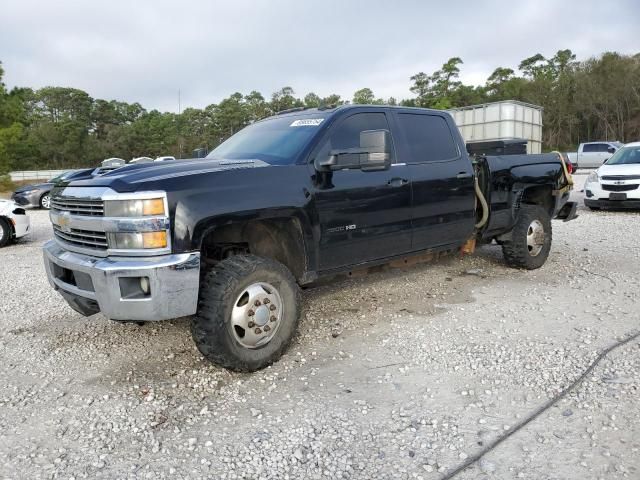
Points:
625	156
277	141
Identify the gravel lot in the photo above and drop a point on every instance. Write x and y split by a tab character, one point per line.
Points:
399	374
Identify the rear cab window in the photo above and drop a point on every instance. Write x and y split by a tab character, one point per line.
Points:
428	138
595	148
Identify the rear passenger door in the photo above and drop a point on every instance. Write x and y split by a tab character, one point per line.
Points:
443	211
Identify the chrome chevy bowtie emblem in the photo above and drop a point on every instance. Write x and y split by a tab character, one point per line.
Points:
63	222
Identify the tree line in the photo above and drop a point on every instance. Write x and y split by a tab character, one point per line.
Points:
60	127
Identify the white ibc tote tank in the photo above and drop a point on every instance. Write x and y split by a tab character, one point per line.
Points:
501	121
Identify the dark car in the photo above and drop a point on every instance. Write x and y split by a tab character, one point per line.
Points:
38	195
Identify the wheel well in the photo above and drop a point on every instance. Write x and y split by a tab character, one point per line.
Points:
539	195
280	239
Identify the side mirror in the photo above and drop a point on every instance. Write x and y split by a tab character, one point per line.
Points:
611	150
373	154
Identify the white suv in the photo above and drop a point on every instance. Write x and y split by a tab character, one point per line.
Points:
616	184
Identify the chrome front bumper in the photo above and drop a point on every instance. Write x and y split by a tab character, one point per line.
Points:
92	284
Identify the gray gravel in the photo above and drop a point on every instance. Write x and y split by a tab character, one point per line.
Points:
399	374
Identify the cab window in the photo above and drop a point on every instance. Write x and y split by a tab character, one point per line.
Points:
428	137
347	133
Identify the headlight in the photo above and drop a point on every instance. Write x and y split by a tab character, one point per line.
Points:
593	178
137	241
134	208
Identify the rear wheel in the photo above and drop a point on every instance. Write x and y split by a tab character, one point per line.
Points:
248	312
45	201
530	241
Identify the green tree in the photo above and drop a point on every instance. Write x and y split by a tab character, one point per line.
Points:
311	100
331	100
534	66
438	89
257	107
283	99
364	96
55	127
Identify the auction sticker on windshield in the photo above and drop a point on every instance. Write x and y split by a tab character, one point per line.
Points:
307	122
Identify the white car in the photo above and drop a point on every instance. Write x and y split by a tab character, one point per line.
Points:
164	159
14	222
616	184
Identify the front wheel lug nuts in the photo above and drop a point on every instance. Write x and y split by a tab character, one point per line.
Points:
251	313
267	328
267	301
251	324
257	303
258	331
273	318
272	308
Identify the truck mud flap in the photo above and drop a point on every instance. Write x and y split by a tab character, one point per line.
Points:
568	211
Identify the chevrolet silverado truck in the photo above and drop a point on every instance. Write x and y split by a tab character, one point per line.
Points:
229	239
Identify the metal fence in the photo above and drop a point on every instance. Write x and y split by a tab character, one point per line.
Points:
35	175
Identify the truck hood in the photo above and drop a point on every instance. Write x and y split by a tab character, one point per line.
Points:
129	177
627	169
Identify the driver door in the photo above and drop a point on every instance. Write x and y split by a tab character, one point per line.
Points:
363	215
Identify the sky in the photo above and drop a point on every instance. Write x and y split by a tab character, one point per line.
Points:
147	51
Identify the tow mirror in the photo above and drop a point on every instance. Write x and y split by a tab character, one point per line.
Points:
373	154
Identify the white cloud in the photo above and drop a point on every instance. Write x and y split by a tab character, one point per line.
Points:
146	51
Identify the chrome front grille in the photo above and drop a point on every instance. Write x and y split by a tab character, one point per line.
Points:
620	177
78	206
81	238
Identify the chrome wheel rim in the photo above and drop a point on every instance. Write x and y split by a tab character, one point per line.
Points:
535	238
46	201
256	315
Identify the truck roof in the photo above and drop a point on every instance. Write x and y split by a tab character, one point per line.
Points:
337	108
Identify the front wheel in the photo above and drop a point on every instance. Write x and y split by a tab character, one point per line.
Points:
530	241
5	232
45	201
248	312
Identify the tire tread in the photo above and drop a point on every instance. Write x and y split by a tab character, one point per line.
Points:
515	250
217	285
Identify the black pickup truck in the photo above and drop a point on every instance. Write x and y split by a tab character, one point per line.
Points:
229	238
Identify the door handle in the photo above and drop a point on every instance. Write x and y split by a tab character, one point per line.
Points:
463	175
397	182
